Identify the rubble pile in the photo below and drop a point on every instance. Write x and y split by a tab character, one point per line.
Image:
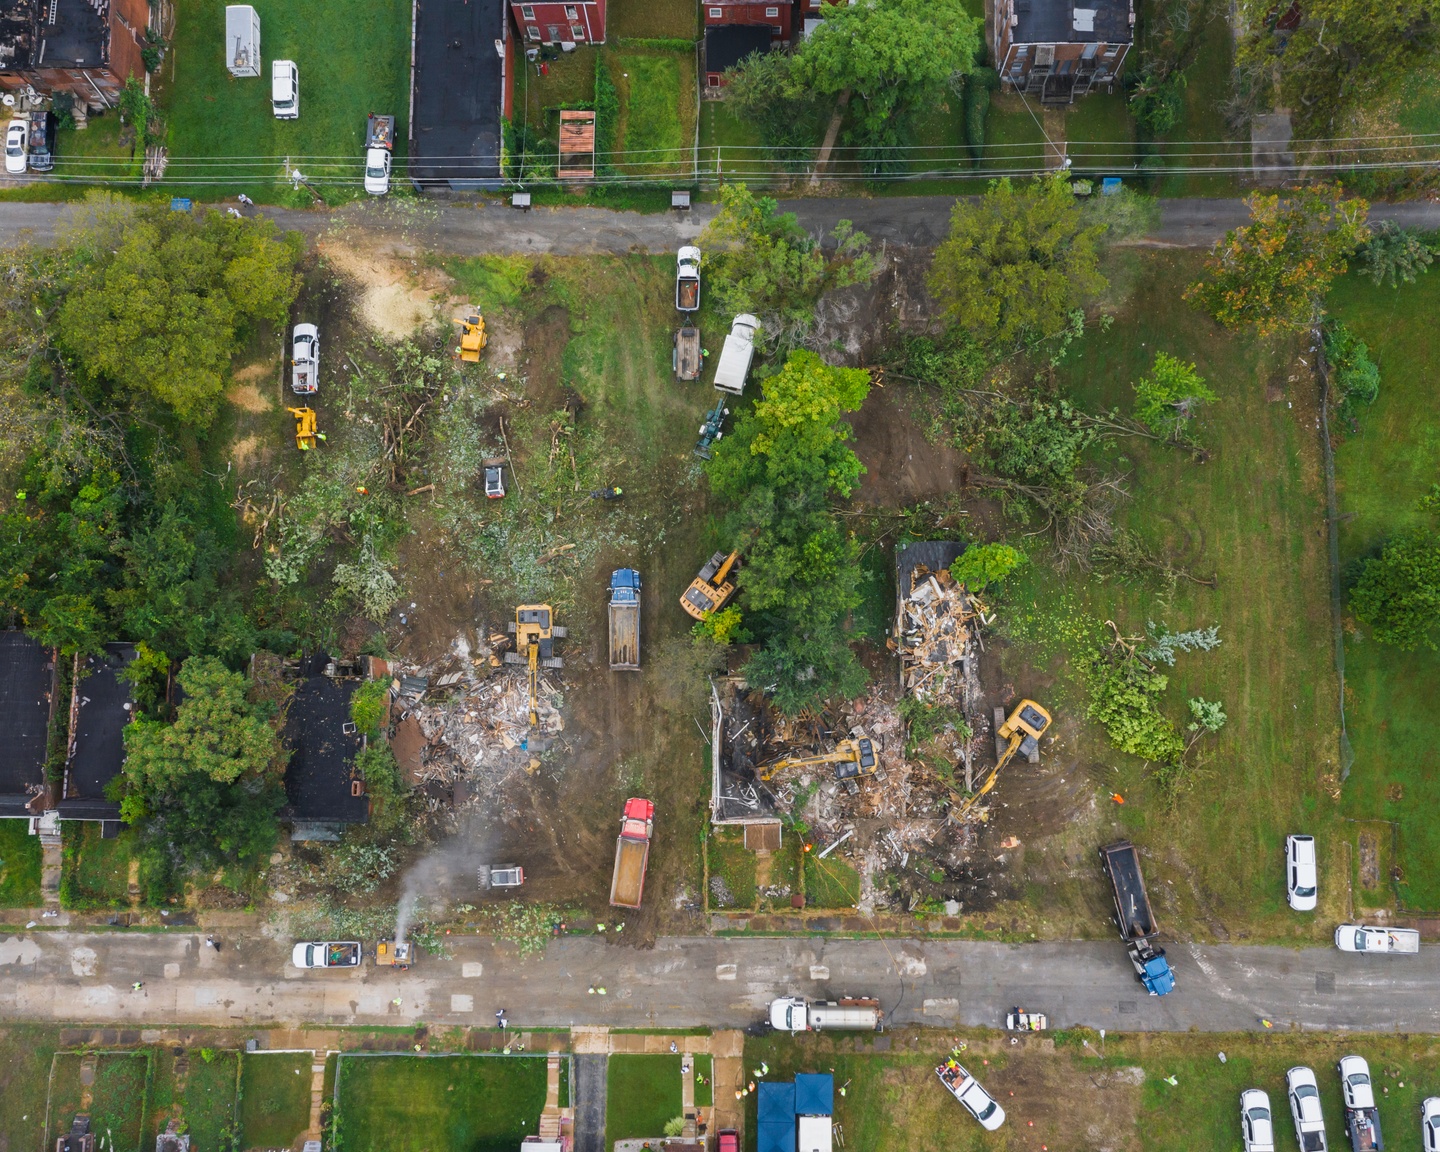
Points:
935	634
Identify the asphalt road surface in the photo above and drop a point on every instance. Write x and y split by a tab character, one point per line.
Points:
469	228
719	982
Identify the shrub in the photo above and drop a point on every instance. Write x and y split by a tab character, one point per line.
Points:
1356	377
981	565
1395	254
367	706
1123	700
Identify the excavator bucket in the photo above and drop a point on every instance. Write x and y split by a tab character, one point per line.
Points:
472	337
304	427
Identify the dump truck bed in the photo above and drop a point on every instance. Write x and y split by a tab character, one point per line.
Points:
1133	913
687	294
628	884
687	359
625	636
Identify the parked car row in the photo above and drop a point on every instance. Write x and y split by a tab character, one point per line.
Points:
1362	1118
30	143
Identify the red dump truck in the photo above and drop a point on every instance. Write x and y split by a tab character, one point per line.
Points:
632	853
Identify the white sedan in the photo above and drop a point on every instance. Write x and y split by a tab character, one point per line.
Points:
1257	1127
16	137
1300	873
1370	939
1430	1124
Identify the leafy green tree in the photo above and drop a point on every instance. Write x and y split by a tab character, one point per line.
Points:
1398	592
1123	699
1167	400
981	565
217	734
723	628
1355	376
779	468
1395	254
1017	263
759	260
147	674
367	706
1273	273
158	301
766	90
391	800
895	57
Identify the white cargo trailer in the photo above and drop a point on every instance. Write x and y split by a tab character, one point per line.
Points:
242	40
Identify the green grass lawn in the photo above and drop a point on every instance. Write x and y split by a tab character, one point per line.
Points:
208	1098
1013	137
25	1055
96	871
1252	515
439	1103
274	1098
830	883
20	861
733	865
1204	118
118	1102
657	110
353	60
1382	469
642	1094
651	19
704	1070
732	147
893	1102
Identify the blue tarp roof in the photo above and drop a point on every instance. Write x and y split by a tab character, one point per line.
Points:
777	1103
776	1137
814	1094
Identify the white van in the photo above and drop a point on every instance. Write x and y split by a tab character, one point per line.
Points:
285	89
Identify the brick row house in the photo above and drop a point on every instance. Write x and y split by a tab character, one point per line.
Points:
1058	50
582	22
88	48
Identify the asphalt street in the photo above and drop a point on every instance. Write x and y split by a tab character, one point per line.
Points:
472	228
719	982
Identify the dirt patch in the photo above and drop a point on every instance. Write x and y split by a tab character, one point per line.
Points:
860	322
1369	861
902	465
544	351
246	451
249	397
1069	1104
395	298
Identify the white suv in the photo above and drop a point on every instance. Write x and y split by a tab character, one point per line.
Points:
285	89
1301	874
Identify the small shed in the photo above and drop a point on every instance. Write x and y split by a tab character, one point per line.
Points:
577	145
242	40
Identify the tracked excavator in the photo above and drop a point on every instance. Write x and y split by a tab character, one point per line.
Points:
851	758
1021	732
535	635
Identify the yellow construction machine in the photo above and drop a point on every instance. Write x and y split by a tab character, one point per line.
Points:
851	758
711	589
472	337
304	427
1021	732
535	635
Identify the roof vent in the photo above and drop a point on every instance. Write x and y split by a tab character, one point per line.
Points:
1084	19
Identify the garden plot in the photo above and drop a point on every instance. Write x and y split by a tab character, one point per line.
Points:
111	1087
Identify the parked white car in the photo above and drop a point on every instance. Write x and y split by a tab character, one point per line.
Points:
326	954
966	1089
16	137
305	355
1430	1124
1304	1095
1355	1082
1301	873
285	89
1257	1127
1368	938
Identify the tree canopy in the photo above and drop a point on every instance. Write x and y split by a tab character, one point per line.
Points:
1398	592
1273	273
779	468
156	300
1017	263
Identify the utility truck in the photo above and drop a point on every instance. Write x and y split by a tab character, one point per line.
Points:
326	954
632	853
1135	918
1362	1119
796	1014
735	357
625	620
305	360
379	144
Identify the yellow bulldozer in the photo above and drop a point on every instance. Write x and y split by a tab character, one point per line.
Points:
305	433
851	758
712	588
1019	732
472	337
535	635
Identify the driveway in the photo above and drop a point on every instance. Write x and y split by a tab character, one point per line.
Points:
715	982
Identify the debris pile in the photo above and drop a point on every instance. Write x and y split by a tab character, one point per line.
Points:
935	633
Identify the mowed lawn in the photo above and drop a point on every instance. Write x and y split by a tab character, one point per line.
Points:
274	1098
642	1094
439	1103
119	1094
1382	470
353	59
657	110
208	1099
20	860
1252	515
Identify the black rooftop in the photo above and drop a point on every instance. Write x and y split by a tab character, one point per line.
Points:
317	779
456	93
97	752
728	44
78	36
1072	22
27	674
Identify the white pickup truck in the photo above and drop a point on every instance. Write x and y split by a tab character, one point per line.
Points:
326	954
305	360
1380	941
735	356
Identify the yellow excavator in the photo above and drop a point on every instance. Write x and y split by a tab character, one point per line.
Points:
851	758
304	427
1022	731
711	589
472	337
535	635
